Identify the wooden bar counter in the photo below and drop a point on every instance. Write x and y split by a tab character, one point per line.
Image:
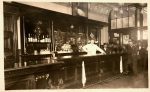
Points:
63	72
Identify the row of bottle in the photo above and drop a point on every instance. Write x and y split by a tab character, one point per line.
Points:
35	38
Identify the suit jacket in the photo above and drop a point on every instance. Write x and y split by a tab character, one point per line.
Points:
107	50
143	52
132	50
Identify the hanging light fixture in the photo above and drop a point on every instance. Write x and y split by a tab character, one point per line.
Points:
72	26
116	9
121	4
127	8
115	15
142	11
121	11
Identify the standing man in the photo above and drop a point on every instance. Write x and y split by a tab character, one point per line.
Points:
132	57
143	53
91	48
106	49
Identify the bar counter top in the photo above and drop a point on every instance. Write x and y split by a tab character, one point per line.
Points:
32	66
60	58
57	61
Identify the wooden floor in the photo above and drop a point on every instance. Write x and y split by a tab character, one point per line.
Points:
123	81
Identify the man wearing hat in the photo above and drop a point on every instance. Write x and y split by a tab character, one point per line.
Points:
132	57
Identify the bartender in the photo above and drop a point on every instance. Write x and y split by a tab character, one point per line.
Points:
91	48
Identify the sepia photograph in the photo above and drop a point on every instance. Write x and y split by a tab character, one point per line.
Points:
75	45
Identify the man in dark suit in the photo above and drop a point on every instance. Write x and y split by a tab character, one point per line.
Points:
132	57
106	49
143	54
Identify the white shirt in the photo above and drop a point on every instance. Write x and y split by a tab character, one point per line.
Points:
92	48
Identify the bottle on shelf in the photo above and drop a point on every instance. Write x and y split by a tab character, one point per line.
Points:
46	38
32	37
29	37
38	38
25	64
42	39
35	52
35	38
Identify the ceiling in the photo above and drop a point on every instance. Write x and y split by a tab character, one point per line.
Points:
117	9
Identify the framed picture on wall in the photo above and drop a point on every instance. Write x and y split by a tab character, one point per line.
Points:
125	39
